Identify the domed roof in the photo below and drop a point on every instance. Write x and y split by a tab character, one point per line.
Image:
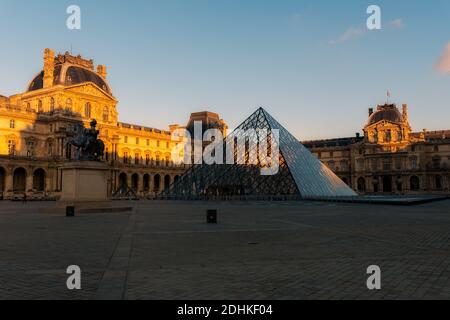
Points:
68	75
387	112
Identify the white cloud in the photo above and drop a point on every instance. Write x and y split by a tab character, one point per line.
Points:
349	34
443	64
396	24
354	33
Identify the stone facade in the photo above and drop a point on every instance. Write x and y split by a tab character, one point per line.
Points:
35	126
389	158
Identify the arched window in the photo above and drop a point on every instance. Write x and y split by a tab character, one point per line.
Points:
69	105
135	182
52	104
87	110
39	180
146	182
19	180
167	182
40	108
157	182
105	113
123	180
2	179
414	183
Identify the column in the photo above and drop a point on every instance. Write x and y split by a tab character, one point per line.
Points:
8	182
29	181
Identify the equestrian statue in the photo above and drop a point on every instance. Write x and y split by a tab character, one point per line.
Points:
89	147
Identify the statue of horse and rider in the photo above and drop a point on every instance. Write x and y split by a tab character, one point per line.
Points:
89	147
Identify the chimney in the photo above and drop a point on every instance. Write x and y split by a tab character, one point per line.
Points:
49	67
405	112
101	71
370	111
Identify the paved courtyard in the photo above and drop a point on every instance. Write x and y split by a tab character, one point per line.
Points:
287	250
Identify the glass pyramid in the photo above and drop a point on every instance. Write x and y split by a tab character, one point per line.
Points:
300	174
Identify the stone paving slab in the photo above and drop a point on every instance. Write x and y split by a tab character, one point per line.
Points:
259	250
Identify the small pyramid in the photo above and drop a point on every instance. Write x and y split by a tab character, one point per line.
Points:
300	174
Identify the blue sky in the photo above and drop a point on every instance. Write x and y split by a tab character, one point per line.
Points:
313	64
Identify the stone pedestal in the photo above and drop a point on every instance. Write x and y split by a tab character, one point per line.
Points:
85	181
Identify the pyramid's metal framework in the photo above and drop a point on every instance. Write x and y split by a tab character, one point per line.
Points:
300	174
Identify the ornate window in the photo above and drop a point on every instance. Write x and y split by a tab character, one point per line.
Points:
50	148
388	135
398	164
40	107
147	159
30	148
12	124
413	162
87	110
137	157
52	104
361	185
387	164
436	162
414	183
374	164
344	165
12	147
125	157
125	139
137	140
69	105
360	164
105	113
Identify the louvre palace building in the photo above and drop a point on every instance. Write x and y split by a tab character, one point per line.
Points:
390	158
35	126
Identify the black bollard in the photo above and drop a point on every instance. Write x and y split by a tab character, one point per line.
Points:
70	211
211	216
